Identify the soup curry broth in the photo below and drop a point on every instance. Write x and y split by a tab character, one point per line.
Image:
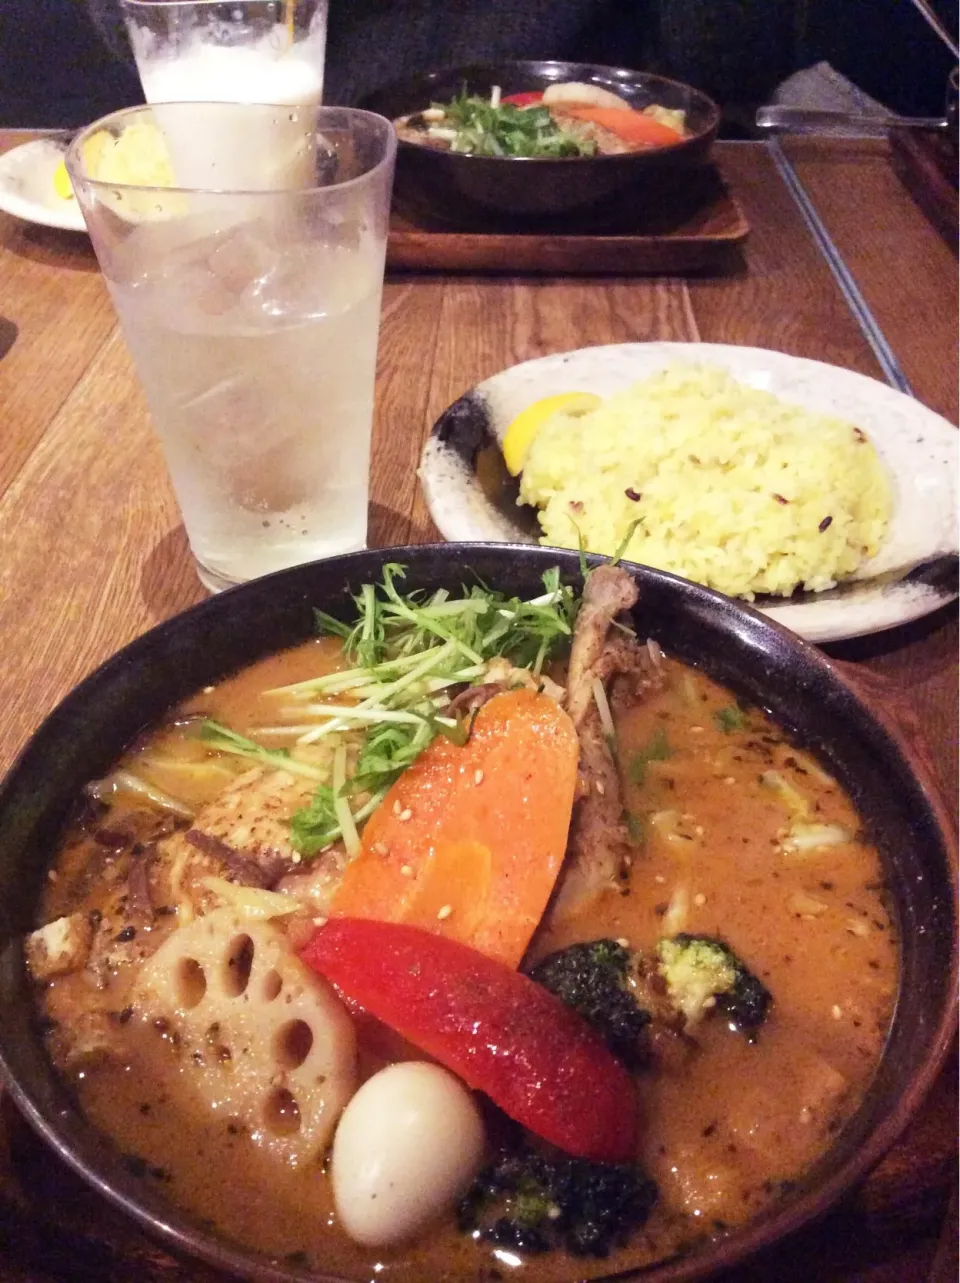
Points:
735	834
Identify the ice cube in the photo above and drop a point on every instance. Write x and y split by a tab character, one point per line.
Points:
243	258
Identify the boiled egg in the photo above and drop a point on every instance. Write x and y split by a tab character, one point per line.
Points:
406	1148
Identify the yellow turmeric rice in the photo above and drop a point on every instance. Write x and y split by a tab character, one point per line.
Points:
728	486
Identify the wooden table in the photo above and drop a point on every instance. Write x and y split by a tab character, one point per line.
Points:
94	552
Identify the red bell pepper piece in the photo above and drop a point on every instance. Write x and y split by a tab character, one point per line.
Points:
524	99
502	1033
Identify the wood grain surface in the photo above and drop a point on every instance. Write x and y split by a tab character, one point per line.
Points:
94	553
906	272
926	164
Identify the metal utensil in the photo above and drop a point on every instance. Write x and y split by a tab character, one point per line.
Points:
804	120
936	25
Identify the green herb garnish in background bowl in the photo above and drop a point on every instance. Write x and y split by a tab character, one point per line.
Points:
482	129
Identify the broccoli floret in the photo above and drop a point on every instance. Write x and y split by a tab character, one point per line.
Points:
594	979
702	971
532	1203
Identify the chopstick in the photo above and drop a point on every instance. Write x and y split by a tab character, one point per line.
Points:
934	22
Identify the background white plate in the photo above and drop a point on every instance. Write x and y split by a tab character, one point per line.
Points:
26	185
919	448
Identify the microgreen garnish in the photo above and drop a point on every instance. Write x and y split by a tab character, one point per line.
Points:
410	653
227	741
508	130
625	541
581	551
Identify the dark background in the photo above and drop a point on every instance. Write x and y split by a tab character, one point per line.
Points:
65	62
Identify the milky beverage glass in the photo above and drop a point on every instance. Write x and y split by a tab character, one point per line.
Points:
249	296
262	51
268	51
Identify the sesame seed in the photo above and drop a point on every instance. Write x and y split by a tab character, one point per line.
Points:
699	830
445	912
836	1011
319	922
397	808
406	871
478	777
806	1115
380	848
699	899
296	857
600	789
405	815
730	780
623	942
697	730
659	879
52	875
208	690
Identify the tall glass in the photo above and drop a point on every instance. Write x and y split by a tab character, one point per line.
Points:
251	309
229	50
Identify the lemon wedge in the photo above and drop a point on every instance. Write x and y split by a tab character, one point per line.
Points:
61	182
93	152
138	156
94	148
520	435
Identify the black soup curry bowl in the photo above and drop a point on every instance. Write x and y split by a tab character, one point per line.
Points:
587	193
764	666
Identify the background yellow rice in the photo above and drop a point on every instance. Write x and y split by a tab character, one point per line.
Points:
709	458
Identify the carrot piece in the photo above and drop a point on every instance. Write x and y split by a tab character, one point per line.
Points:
631	126
469	840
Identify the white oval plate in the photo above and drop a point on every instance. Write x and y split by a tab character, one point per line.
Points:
26	185
918	447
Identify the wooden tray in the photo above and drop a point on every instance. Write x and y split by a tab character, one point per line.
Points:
689	231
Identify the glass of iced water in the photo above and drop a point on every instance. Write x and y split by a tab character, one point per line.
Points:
229	50
243	246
